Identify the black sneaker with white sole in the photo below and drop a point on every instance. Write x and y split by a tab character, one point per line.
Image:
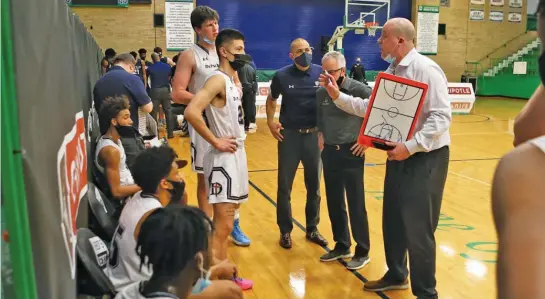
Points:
358	262
335	254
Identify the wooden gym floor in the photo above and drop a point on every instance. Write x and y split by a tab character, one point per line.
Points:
466	239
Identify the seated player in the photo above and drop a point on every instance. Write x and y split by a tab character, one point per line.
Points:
176	241
110	158
225	165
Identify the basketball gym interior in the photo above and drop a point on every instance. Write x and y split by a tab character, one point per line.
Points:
51	54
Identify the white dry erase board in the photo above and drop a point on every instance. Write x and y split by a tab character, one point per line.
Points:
393	111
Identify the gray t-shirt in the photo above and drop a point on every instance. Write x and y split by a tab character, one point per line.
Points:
337	126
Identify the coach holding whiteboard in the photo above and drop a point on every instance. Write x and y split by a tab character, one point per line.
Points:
416	170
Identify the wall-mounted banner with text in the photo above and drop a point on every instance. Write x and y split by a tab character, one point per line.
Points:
427	28
515	17
497	2
477	2
496	16
515	3
476	14
179	33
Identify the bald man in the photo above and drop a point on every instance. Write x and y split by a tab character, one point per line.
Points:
416	170
297	137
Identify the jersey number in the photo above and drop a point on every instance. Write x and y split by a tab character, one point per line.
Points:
240	116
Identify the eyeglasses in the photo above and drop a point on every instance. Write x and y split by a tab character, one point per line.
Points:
306	50
334	71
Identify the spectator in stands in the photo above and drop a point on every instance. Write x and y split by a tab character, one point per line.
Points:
140	67
248	77
110	158
109	55
357	72
120	81
159	74
176	242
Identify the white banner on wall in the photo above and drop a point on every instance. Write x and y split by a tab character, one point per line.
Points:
496	16
515	17
515	3
477	2
179	33
427	28
497	2
520	67
476	14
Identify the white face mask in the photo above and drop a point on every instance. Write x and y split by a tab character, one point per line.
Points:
204	281
389	58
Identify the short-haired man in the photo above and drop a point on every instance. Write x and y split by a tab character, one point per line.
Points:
297	139
140	67
343	160
159	74
121	81
107	60
110	158
193	68
357	72
225	165
416	170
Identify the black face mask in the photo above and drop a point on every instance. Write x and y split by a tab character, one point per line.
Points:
177	192
240	60
126	131
542	68
340	81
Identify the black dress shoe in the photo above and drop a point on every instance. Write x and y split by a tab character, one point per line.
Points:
285	240
316	237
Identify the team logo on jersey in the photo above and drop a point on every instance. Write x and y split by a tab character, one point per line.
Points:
291	86
316	83
215	189
205	59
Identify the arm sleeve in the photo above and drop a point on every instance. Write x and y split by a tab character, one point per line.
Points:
353	105
275	89
439	118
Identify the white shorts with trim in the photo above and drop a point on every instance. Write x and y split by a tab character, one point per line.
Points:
226	176
199	147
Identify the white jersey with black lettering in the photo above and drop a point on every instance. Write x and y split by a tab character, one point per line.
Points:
226	174
206	62
124	265
125	176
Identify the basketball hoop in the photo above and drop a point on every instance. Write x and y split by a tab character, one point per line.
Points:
372	28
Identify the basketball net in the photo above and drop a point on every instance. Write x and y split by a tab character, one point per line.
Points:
371	28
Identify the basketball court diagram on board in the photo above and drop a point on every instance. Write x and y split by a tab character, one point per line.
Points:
393	110
360	16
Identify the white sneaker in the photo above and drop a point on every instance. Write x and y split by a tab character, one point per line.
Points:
252	128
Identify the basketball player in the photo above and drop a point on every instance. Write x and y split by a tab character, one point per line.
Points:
518	200
176	242
110	158
194	66
225	165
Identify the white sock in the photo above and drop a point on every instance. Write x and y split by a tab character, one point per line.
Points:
237	214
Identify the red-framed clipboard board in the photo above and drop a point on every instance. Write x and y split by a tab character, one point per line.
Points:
393	111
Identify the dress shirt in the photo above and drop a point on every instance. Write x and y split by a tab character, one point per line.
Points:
432	127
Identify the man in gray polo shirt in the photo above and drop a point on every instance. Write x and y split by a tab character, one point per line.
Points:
343	159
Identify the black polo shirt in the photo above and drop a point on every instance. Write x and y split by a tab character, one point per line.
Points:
118	82
298	90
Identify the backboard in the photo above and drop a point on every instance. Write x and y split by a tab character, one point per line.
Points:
360	14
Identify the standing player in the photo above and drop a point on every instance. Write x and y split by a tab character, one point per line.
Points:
193	67
225	165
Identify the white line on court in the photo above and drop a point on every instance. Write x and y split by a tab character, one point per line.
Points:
470	178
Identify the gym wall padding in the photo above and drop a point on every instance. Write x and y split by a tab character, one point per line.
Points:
270	26
56	64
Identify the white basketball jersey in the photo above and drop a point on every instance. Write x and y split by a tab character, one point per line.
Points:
228	120
124	266
125	175
539	142
134	292
206	62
